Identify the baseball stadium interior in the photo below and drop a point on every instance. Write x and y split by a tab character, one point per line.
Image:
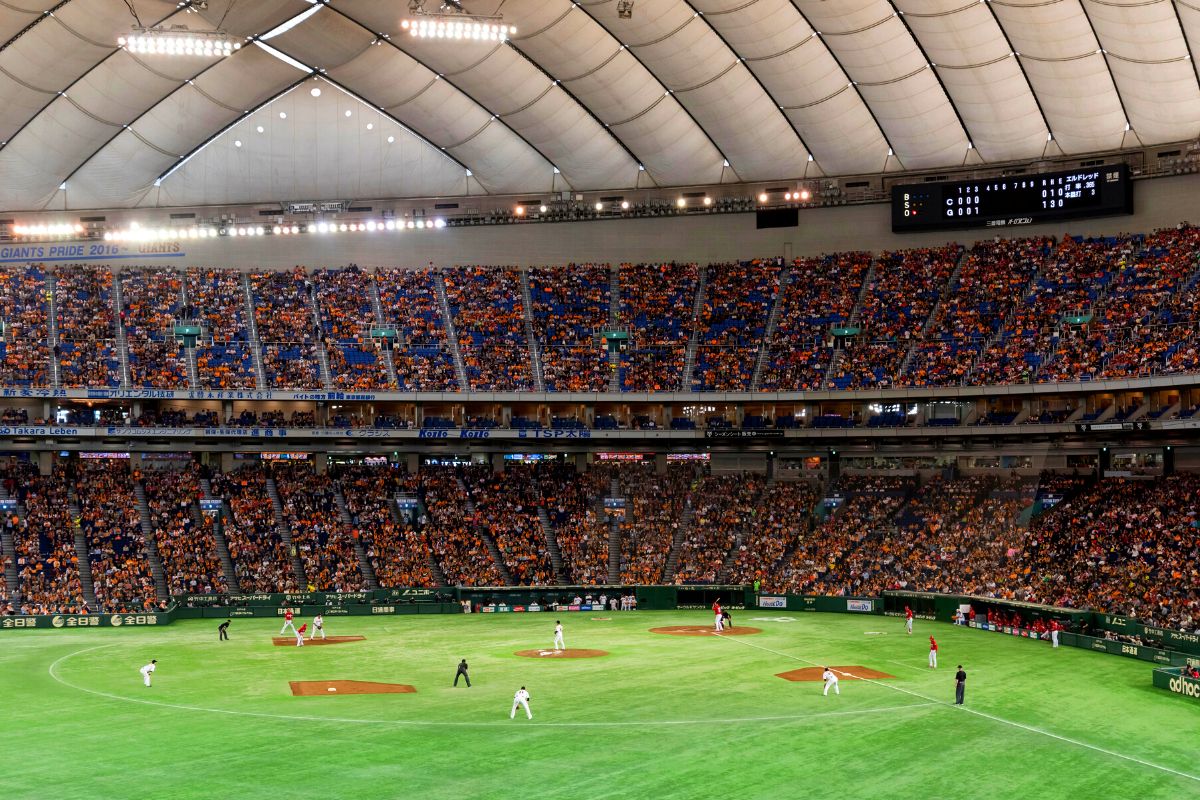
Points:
343	303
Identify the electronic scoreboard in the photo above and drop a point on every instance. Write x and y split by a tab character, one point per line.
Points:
1013	200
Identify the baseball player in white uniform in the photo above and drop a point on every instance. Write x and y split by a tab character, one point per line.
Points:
148	670
521	698
558	637
830	680
318	627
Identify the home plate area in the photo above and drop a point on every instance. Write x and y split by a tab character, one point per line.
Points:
325	688
569	653
844	673
282	641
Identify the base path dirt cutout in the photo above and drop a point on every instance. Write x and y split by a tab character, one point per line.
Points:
282	641
704	630
562	653
324	688
843	673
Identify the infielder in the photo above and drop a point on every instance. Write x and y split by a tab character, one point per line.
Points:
521	698
287	622
148	670
908	617
300	635
558	637
318	627
932	652
718	619
830	680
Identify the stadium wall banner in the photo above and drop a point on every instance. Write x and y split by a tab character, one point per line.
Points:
772	602
837	605
1127	649
1176	640
1173	681
279	600
67	621
861	606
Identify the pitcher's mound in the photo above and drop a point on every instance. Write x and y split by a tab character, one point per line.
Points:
282	641
704	630
324	688
562	653
843	673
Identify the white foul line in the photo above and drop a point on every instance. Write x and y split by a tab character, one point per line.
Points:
1022	726
437	723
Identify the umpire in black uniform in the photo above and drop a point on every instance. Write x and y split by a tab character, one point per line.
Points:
223	631
960	685
462	673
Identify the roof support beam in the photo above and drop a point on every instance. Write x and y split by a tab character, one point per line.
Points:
1037	101
665	89
440	75
753	74
1107	65
933	68
850	81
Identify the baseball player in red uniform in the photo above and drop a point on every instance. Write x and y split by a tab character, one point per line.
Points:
908	616
300	635
287	622
933	652
1054	629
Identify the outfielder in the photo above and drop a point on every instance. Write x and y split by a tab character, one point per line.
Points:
318	627
300	635
521	698
148	670
932	652
287	622
558	637
908	617
830	680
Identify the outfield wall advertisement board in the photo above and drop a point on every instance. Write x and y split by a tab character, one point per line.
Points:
66	621
1173	681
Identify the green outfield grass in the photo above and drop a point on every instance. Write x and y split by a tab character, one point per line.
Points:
660	716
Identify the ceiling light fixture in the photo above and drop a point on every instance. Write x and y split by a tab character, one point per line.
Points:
178	40
452	22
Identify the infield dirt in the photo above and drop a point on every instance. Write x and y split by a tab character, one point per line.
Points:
704	630
283	641
549	653
847	673
326	688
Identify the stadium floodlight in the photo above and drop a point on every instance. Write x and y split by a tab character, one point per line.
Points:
178	40
451	22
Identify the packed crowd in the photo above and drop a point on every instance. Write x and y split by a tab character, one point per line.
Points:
261	562
188	550
1018	310
410	305
112	526
320	535
489	318
1119	545
24	360
820	295
396	547
905	287
86	349
733	319
570	307
657	304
